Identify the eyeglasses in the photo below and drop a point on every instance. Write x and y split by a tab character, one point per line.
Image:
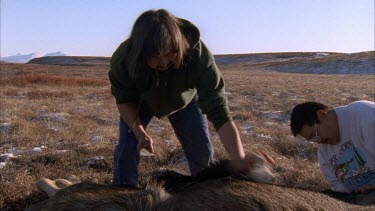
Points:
315	138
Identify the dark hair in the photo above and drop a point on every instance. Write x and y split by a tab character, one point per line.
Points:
305	113
152	33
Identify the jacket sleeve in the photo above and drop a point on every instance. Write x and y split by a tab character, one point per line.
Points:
122	87
211	88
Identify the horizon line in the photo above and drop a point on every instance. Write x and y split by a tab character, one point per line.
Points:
219	54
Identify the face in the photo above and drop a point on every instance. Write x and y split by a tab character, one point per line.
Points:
163	61
325	132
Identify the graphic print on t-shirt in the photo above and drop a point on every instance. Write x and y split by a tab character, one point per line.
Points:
350	167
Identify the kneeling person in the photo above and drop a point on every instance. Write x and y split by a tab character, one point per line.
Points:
346	138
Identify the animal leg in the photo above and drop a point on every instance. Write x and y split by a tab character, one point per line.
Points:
48	186
62	183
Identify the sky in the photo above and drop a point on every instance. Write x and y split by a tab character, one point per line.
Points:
97	27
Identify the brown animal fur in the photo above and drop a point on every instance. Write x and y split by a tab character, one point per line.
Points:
220	194
216	188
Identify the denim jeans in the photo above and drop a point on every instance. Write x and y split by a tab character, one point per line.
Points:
191	129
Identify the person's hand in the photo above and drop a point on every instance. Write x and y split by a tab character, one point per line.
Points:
265	156
246	164
145	141
256	166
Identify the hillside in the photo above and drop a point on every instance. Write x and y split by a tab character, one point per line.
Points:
357	63
71	60
61	120
292	62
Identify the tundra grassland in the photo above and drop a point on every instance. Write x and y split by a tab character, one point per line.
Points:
57	121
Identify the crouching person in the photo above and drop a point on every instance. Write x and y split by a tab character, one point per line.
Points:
346	138
164	69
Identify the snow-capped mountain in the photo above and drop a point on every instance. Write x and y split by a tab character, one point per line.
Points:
58	53
24	58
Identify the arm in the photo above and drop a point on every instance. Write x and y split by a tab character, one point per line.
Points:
213	102
129	113
125	91
231	140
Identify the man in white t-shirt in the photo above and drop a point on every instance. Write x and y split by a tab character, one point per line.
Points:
346	138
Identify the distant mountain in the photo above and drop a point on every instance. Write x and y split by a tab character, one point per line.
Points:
71	60
24	58
58	53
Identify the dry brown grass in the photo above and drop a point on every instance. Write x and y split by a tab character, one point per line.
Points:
69	110
45	79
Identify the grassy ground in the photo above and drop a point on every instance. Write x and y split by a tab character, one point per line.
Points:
69	113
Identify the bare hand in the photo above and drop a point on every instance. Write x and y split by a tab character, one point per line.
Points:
256	166
145	141
268	158
246	164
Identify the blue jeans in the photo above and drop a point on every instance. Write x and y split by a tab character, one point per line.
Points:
191	129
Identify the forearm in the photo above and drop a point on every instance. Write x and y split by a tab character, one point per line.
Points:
129	113
231	140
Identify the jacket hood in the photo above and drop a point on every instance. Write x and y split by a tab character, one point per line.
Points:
190	31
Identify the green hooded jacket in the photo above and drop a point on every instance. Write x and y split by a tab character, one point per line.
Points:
169	91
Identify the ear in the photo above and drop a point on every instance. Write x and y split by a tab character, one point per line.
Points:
322	115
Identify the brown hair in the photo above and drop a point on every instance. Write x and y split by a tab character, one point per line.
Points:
153	32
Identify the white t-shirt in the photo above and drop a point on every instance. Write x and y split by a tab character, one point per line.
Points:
350	164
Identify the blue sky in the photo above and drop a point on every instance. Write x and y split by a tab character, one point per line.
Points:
97	27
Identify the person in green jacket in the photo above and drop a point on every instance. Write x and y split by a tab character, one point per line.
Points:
164	69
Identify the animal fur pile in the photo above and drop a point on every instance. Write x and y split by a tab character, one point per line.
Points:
219	187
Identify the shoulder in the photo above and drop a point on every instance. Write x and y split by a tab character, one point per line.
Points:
357	106
362	104
358	109
118	68
120	53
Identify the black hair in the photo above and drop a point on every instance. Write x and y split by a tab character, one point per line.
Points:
305	114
